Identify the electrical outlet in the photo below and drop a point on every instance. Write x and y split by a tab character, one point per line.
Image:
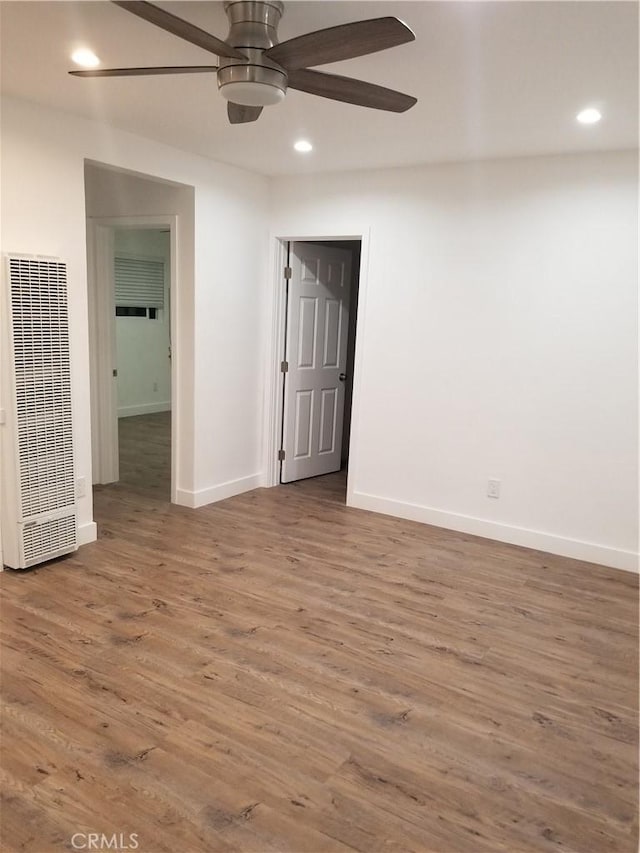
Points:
155	386
81	487
493	489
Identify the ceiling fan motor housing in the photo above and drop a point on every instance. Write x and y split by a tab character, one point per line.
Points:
253	29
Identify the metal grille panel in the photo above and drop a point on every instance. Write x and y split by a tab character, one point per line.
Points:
40	329
45	539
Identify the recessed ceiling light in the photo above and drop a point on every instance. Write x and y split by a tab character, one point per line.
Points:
85	57
303	146
589	116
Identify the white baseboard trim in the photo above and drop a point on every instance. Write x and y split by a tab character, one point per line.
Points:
202	497
144	409
574	548
87	533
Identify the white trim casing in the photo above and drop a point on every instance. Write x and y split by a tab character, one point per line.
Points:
87	533
272	424
102	350
102	345
589	552
202	497
273	377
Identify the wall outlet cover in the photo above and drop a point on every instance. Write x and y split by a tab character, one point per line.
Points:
493	489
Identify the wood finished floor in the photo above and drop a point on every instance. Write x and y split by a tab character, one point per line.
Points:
279	672
145	455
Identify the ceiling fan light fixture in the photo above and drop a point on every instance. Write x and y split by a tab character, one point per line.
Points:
251	94
252	85
255	68
85	57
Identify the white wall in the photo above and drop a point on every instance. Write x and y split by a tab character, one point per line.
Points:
43	211
142	344
497	336
497	339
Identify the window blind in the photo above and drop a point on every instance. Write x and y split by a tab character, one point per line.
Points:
139	282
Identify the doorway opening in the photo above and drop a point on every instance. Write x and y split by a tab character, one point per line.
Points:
142	279
131	272
317	360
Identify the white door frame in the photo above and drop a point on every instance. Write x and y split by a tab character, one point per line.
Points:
272	430
102	340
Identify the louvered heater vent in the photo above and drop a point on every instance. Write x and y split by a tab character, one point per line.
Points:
43	437
47	537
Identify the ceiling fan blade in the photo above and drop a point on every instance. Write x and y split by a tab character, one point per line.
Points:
342	42
179	27
350	91
140	72
241	114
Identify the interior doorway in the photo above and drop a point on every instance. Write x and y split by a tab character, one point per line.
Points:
131	275
142	285
317	359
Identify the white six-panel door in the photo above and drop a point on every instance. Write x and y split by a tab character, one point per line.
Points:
317	330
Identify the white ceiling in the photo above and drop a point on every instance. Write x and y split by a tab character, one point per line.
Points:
493	79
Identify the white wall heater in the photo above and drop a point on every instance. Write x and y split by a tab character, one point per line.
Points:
38	481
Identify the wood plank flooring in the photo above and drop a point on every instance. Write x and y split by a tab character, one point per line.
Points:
145	454
279	672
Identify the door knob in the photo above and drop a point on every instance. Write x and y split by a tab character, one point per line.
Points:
342	377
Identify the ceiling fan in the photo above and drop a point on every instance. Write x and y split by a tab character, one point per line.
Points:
255	69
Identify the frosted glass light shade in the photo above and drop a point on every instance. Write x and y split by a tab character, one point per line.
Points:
252	94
